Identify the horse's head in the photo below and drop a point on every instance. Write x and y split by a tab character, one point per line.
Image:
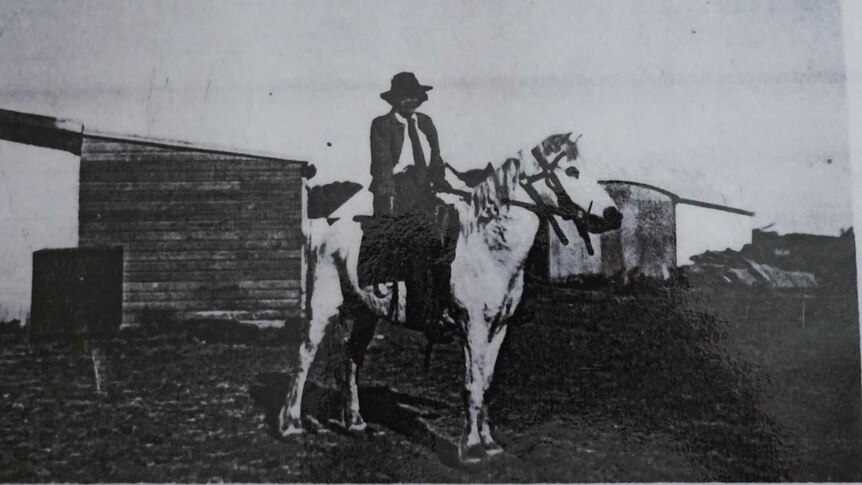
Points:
553	179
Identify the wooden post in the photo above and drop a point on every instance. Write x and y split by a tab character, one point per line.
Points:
94	349
100	364
804	290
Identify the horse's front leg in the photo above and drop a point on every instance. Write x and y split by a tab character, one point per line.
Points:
488	443
480	356
477	346
360	332
470	450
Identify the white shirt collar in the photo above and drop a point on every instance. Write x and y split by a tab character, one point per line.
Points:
402	119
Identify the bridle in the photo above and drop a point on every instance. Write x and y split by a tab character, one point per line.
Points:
566	208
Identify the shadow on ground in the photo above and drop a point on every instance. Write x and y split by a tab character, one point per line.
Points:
405	414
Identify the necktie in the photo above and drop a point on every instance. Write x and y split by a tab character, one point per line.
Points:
418	156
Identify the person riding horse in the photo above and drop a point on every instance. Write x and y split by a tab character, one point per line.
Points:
407	171
406	165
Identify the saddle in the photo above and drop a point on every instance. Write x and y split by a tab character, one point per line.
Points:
417	249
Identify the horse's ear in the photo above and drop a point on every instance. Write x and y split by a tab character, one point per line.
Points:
567	136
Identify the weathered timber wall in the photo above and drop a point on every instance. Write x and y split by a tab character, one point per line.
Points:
205	234
647	239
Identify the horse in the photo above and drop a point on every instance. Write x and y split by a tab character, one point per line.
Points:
499	218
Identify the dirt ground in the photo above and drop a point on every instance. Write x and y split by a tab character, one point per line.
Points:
673	385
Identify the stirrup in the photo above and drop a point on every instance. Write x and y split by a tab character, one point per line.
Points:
378	292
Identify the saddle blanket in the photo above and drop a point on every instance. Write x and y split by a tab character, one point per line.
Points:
391	245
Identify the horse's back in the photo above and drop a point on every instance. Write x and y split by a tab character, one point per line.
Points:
325	199
360	204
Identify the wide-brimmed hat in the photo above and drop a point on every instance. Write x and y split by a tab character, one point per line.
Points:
405	84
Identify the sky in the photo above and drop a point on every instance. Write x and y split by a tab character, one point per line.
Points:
740	103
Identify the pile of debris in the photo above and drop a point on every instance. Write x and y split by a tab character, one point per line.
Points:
781	261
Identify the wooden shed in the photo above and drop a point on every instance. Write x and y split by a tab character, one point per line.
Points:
207	232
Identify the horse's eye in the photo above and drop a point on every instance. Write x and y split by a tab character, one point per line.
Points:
572	172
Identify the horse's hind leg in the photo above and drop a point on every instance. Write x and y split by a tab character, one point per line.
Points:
359	335
289	421
325	303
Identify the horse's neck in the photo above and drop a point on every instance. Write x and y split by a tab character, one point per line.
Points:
511	236
521	224
507	239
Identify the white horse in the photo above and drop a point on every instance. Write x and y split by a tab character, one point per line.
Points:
499	220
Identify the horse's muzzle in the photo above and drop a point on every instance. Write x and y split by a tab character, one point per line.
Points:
610	220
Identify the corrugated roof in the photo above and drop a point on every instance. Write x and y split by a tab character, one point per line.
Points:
64	134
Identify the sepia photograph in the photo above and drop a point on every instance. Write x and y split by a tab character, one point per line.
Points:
430	241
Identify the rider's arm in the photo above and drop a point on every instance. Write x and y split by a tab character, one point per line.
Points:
382	183
436	167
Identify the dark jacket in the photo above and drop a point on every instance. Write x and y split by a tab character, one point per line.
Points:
387	141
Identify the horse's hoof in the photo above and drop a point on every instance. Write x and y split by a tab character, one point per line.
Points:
352	422
472	455
359	427
493	449
289	426
292	430
354	429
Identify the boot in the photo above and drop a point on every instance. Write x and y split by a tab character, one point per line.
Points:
425	307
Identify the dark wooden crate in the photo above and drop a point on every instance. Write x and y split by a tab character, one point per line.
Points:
77	292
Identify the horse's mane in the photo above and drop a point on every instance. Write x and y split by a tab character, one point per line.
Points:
501	181
496	187
492	194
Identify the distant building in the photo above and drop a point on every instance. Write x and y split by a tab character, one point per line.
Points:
660	230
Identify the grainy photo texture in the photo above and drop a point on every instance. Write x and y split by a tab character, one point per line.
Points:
547	241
